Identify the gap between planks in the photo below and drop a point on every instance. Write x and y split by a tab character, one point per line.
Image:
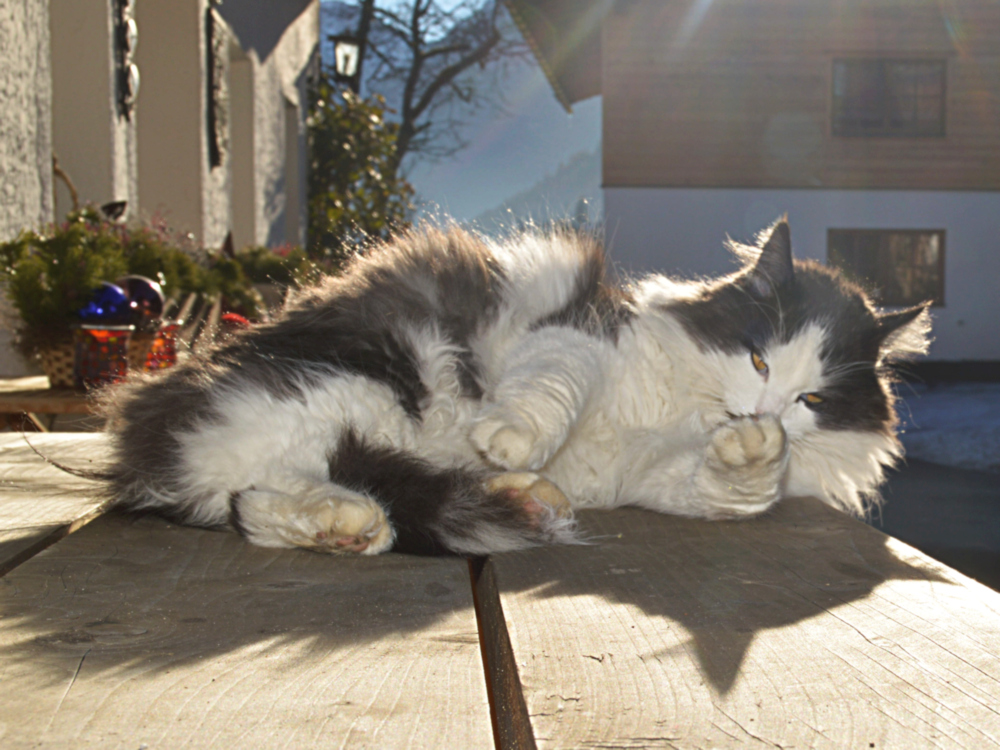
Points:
508	709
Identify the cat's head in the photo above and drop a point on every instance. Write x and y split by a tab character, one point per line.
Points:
797	340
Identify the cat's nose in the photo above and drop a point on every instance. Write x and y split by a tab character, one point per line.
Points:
768	406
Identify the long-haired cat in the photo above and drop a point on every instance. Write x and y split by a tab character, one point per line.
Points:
452	394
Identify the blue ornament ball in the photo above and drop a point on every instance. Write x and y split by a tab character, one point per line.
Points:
108	305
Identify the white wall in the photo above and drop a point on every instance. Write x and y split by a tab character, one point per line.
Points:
249	192
169	111
95	146
280	38
681	231
280	139
241	151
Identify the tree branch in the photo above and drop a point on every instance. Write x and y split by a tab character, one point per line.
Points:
448	74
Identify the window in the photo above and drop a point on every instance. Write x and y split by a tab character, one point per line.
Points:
883	97
898	267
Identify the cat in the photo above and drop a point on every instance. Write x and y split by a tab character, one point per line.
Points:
452	394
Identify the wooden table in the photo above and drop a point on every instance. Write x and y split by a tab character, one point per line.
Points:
801	629
25	402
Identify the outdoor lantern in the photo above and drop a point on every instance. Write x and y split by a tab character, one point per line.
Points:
346	59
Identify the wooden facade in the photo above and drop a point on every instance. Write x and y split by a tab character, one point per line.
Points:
739	94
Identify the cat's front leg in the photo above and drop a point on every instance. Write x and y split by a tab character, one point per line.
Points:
744	464
544	388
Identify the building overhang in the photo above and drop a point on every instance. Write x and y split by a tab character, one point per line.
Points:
565	37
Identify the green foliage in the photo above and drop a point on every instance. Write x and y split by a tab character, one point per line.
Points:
49	276
355	193
286	265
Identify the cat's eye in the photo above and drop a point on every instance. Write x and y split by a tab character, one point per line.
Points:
759	364
811	399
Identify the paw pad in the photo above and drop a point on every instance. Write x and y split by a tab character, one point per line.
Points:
535	494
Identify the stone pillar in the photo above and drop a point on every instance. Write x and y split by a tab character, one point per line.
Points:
25	126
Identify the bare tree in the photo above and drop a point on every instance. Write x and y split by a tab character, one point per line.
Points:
420	55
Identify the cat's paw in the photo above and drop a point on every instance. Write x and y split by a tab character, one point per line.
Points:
323	518
536	495
508	445
750	441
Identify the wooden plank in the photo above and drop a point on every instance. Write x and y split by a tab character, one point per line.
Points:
804	628
134	633
33	395
39	504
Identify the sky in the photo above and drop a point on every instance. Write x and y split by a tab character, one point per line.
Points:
510	151
510	148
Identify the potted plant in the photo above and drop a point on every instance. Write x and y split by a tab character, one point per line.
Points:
49	276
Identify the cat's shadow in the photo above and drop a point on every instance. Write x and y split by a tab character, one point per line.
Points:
145	597
725	584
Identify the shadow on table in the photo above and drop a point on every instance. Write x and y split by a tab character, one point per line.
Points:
148	596
723	582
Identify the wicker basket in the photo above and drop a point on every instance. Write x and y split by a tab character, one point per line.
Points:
57	362
138	350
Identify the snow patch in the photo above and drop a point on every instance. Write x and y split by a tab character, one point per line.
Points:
956	424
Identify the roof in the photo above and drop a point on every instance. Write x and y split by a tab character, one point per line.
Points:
565	37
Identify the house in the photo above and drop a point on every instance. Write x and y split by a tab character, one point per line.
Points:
188	111
213	137
872	123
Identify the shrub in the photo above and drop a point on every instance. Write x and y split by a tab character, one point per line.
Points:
48	276
355	193
286	265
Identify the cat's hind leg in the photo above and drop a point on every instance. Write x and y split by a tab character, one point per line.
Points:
380	498
536	495
323	517
458	509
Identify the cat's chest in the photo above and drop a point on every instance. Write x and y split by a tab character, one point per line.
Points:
604	456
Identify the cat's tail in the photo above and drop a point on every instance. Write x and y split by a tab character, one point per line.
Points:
462	511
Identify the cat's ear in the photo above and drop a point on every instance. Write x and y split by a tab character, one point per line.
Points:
905	333
774	265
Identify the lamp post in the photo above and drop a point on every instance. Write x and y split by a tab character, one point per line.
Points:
347	60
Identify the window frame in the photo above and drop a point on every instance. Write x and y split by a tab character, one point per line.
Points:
840	128
937	300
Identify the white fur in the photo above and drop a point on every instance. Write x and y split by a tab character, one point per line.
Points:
648	420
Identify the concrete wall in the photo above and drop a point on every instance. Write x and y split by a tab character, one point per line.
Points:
25	135
281	39
25	123
681	231
262	174
279	137
176	180
96	146
241	147
168	113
